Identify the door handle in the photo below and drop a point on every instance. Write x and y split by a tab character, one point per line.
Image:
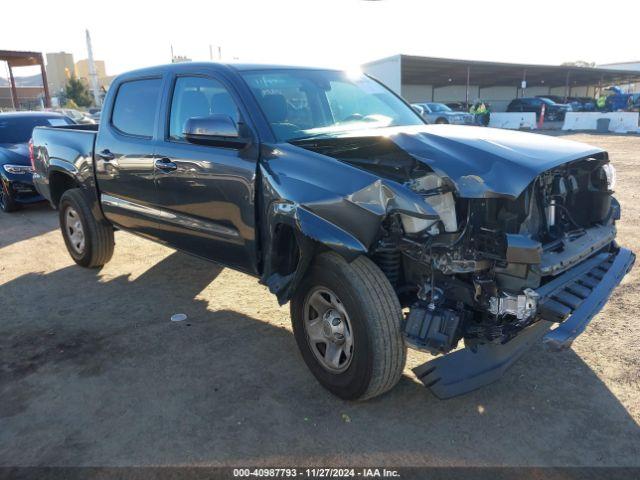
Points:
165	165
106	155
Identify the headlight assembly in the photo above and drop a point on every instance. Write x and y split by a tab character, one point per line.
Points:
17	169
610	172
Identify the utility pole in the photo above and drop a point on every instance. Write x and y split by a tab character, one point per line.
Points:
93	76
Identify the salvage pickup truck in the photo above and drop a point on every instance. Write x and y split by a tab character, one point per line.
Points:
382	232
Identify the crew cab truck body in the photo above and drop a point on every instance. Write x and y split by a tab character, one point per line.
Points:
381	231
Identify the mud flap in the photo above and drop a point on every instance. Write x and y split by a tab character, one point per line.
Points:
464	370
580	292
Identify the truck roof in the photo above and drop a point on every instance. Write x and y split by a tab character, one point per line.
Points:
216	66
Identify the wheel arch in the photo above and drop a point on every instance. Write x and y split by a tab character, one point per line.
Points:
296	235
59	182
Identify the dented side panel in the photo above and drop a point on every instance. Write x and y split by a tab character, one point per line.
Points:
325	202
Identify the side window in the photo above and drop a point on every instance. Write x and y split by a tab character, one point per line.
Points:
134	110
198	97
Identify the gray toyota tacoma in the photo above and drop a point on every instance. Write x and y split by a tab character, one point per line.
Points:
382	232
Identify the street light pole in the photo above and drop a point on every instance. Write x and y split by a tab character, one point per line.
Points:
93	76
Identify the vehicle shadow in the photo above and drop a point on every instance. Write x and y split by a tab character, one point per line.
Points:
28	222
93	372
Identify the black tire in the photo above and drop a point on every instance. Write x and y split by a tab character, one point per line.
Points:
7	202
442	121
379	352
97	234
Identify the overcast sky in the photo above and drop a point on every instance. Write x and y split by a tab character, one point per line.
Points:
340	33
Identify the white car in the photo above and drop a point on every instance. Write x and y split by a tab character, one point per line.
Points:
434	112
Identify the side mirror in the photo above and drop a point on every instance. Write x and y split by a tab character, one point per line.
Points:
217	130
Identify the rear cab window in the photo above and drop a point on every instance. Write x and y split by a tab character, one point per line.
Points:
135	107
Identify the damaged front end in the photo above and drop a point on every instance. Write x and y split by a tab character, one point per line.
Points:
482	248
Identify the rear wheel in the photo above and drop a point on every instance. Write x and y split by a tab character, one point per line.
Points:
7	202
346	321
89	241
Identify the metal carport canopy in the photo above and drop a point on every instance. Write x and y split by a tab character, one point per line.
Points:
439	72
25	59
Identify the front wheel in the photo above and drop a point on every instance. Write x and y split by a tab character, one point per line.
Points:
89	240
346	321
442	121
7	202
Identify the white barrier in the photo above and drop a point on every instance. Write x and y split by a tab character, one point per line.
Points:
620	122
512	120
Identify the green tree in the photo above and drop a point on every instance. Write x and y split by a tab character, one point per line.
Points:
78	92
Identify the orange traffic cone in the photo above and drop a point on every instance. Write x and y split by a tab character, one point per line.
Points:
541	120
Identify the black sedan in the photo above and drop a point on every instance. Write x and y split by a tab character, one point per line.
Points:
16	184
552	111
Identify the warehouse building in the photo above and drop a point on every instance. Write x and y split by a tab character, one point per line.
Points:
430	79
634	66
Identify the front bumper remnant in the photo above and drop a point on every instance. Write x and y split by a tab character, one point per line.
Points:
572	299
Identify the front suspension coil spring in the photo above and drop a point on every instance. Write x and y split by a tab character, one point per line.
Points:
389	261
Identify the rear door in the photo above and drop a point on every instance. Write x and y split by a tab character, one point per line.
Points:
534	105
206	191
124	153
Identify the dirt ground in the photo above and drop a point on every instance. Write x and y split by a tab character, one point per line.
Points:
93	372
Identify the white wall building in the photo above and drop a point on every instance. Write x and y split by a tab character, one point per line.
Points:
429	79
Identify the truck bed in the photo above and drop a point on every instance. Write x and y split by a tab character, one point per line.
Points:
63	149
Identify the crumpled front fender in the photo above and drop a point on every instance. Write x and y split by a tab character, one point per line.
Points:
327	203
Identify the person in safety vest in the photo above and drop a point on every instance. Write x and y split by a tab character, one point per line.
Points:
480	111
601	102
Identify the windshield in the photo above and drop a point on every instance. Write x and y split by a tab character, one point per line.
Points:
19	129
307	103
438	107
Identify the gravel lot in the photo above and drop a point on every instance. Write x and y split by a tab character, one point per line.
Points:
92	372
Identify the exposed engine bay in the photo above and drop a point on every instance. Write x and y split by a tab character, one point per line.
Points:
473	272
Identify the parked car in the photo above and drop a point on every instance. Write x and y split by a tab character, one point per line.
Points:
457	106
554	98
336	195
582	104
439	113
576	104
553	111
16	186
77	116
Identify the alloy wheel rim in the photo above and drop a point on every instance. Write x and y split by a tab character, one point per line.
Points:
328	330
74	230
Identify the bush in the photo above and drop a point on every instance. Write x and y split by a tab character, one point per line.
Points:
77	92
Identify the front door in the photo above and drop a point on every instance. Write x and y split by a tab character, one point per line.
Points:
207	192
125	155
